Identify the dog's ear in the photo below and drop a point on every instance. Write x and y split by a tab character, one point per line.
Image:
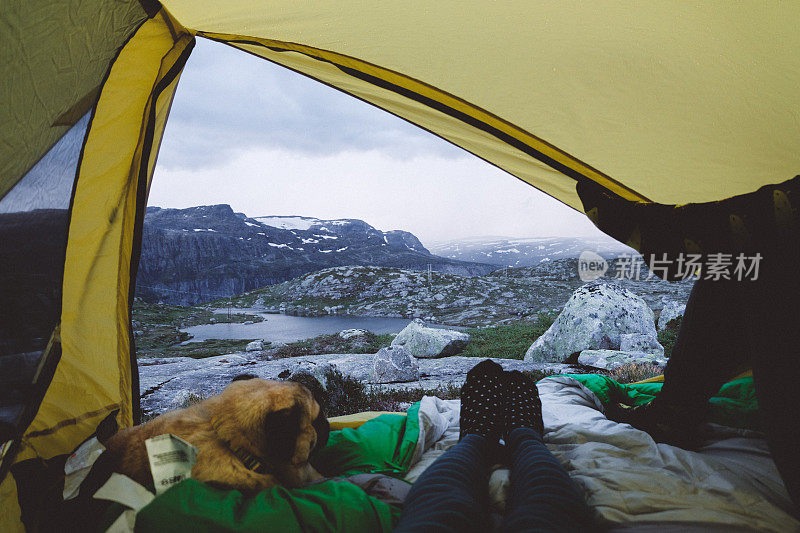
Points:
282	428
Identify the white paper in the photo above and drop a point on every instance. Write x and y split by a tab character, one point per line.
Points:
171	460
78	466
124	490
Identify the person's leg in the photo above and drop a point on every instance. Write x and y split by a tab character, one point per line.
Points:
542	495
711	348
451	494
774	322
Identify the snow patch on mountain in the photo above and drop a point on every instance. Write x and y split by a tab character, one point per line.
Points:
301	223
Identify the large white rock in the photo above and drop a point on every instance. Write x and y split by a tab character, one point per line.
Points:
425	342
671	311
394	364
611	359
596	317
254	346
640	342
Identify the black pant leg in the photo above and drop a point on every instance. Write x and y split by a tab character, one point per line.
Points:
773	317
712	346
452	494
542	497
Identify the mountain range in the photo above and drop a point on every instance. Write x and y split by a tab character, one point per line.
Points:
204	253
511	252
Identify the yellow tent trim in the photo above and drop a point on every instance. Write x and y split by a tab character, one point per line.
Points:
446	103
94	373
660	379
11	516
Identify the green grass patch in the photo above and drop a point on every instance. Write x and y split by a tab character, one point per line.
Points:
197	350
146	313
157	327
153	338
508	341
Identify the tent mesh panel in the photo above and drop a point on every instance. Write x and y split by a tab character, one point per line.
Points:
33	230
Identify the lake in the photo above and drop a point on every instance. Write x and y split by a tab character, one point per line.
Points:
285	328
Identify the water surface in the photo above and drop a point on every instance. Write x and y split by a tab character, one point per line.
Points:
285	328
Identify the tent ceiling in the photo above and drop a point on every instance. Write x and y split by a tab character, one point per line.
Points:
55	56
679	102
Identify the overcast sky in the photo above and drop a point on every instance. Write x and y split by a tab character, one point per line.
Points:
268	141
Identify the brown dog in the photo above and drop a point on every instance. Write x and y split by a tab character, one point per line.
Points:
252	436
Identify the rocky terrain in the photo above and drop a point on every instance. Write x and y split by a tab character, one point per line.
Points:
168	383
603	327
504	296
203	253
509	252
565	325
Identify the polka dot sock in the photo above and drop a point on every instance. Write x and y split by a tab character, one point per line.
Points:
523	408
482	401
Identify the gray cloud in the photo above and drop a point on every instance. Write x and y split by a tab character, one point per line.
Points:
228	100
268	141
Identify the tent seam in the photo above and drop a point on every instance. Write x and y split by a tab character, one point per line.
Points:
508	138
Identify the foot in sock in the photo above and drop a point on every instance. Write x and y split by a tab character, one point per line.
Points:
523	408
482	401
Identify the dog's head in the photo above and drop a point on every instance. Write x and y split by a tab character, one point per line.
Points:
278	422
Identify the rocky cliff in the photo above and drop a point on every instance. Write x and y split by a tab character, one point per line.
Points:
209	252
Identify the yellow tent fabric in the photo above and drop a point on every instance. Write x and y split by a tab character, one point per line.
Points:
664	101
54	56
676	102
94	322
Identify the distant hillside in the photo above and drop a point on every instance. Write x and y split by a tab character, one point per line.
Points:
526	252
508	295
203	253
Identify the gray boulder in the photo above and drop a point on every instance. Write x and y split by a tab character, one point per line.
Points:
595	318
611	359
394	364
671	311
640	342
255	346
317	370
425	342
